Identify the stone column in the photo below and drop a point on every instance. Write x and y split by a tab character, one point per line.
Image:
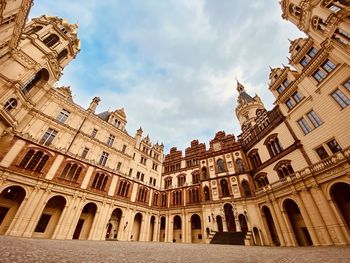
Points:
310	227
57	234
37	213
316	218
73	219
281	228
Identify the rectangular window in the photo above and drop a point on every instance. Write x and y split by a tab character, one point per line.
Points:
142	177
305	61
138	175
63	115
110	140
85	152
286	83
304	126
124	148
290	103
103	158
334	146
341	98
154	182
312	52
48	136
119	166
322	152
334	8
130	171
347	84
313	117
297	97
42	224
93	133
328	66
319	75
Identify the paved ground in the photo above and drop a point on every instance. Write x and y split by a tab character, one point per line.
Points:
13	249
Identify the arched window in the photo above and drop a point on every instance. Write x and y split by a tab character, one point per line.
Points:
51	40
100	181
273	145
284	169
123	189
62	54
240	166
206	193
224	188
193	195
255	158
246	188
261	180
71	172
318	24
177	198
204	172
142	196
181	180
34	161
164	200
220	164
294	10
10	104
41	75
195	178
155	199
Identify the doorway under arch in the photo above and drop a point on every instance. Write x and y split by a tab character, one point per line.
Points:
268	220
340	193
230	218
11	199
243	222
151	228
136	228
49	217
177	231
219	223
162	229
83	228
113	225
196	229
296	220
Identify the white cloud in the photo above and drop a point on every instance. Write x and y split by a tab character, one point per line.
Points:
172	64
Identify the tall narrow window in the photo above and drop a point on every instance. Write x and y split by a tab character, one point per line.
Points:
48	137
304	126
63	115
103	158
110	139
85	152
347	84
93	133
313	117
321	152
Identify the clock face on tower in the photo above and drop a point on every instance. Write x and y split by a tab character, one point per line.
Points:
217	147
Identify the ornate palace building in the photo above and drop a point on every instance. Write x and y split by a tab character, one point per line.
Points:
71	173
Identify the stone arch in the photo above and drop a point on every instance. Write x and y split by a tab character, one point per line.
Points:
114	224
243	222
297	223
196	229
136	228
86	219
340	194
50	216
270	225
11	198
177	229
230	218
39	79
162	229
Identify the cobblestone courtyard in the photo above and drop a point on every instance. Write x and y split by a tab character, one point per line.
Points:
15	249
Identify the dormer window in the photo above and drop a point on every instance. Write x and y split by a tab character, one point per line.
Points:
309	56
117	123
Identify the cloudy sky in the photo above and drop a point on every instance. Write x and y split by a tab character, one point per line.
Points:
172	64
